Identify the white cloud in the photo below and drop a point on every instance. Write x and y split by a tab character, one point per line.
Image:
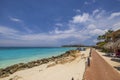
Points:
80	18
81	28
22	24
18	38
14	19
95	11
100	14
27	43
94	24
28	29
116	26
7	31
97	32
95	41
115	14
71	30
91	26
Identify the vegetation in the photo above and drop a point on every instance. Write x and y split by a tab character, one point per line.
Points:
103	37
79	45
74	45
103	40
101	44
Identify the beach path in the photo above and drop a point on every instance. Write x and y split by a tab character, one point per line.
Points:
100	70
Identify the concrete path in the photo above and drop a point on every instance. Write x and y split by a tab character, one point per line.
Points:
99	69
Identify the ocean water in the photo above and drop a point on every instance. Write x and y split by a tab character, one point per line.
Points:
10	56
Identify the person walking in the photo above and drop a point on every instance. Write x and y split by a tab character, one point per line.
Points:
90	52
72	78
88	62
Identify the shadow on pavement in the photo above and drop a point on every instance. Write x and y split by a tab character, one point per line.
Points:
117	67
116	60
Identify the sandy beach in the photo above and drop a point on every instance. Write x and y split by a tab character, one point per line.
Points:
73	69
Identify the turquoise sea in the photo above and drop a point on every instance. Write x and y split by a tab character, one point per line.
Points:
10	56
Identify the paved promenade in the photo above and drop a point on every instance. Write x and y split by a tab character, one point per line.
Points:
99	69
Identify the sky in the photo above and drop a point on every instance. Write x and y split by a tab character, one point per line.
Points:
56	22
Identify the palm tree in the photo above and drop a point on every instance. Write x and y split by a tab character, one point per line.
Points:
102	38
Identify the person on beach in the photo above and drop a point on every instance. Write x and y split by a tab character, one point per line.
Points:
72	78
88	62
90	52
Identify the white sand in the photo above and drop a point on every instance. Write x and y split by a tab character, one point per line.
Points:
65	71
108	60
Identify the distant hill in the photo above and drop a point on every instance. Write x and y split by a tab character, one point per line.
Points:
74	45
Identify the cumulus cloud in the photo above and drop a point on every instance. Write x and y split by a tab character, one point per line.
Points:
80	18
17	37
83	27
113	15
91	27
97	32
95	24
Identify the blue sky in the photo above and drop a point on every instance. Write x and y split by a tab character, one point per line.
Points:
56	22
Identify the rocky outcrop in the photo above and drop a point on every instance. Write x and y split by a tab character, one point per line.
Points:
109	45
116	45
21	66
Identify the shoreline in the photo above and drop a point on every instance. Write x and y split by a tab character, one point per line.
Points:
13	56
26	60
5	72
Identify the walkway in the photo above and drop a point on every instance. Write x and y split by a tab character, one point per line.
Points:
100	70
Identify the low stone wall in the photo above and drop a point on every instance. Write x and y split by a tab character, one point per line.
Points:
21	66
